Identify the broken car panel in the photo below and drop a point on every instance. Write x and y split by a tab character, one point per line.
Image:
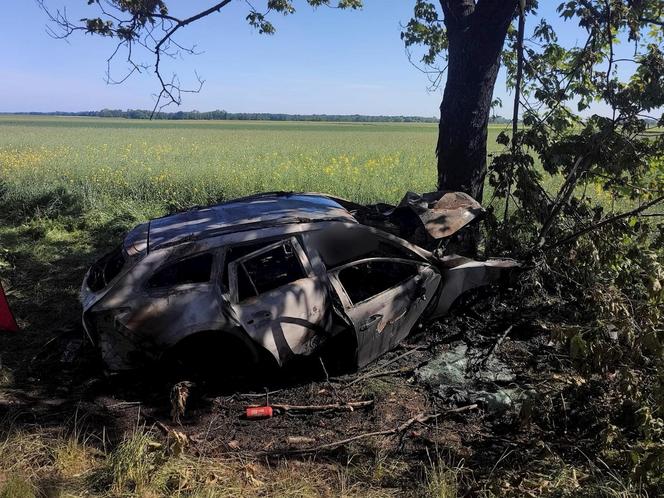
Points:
280	274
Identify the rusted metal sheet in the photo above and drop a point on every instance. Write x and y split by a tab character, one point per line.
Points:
423	218
443	213
281	274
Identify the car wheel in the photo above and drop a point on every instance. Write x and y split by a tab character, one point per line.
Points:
212	357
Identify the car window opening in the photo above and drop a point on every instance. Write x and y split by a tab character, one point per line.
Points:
338	251
106	269
234	253
269	270
187	271
365	280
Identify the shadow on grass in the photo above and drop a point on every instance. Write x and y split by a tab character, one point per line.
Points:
46	245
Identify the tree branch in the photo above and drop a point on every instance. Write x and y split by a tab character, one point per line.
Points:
604	222
651	21
517	98
421	419
563	196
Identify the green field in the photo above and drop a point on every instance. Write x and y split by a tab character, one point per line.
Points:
167	165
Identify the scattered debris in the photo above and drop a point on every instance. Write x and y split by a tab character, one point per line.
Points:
72	350
176	441
382	372
423	219
462	375
421	418
339	407
259	412
298	440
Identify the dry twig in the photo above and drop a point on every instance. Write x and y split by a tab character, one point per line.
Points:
417	419
348	407
373	373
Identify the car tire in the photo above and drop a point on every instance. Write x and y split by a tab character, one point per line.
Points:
212	357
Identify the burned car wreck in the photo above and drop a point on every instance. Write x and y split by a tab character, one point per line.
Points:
277	276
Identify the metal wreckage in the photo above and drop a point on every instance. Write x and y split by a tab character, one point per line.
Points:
277	276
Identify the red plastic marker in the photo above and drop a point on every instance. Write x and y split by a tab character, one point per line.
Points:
259	412
7	321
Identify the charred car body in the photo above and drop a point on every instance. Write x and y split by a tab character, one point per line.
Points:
279	275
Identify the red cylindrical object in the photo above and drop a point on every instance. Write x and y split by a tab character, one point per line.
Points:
259	412
7	322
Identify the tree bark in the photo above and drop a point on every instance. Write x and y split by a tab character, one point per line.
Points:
476	31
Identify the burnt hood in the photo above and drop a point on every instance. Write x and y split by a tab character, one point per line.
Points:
423	219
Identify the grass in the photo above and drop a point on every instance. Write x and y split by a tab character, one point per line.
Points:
46	464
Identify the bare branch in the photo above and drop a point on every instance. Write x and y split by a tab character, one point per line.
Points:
434	75
135	30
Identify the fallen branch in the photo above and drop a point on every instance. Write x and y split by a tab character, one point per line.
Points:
417	419
606	221
369	375
125	404
395	371
327	379
61	333
256	395
348	407
496	345
563	196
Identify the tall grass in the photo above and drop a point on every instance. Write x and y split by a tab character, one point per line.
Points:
43	463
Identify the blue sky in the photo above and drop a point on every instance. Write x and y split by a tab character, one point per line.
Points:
322	61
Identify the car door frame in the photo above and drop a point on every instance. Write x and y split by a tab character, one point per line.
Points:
393	328
232	266
275	344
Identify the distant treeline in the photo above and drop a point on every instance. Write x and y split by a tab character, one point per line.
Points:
245	116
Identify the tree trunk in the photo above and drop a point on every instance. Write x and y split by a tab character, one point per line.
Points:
476	32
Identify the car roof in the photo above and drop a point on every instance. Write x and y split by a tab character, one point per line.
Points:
258	211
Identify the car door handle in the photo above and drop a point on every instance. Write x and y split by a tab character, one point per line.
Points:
373	319
259	315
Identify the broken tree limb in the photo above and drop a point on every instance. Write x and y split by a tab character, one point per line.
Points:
421	418
384	373
349	407
369	375
517	99
496	345
563	196
256	395
606	221
327	380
